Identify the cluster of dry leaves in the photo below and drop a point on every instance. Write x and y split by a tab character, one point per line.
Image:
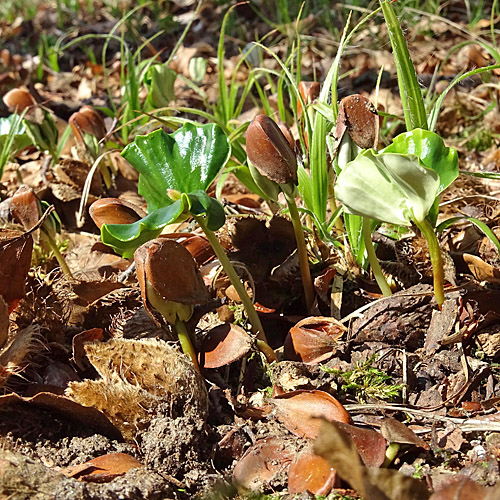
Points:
98	403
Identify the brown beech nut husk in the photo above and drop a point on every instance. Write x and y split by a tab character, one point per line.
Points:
309	91
88	121
18	100
270	152
24	207
359	117
285	129
171	271
114	211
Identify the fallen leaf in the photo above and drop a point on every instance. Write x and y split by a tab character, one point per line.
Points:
462	488
314	339
371	445
299	411
339	449
68	408
310	473
104	468
481	270
4	322
396	432
262	462
16	248
223	345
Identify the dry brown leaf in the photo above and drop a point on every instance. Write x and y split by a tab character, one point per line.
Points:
16	248
310	473
104	468
462	488
300	411
338	448
223	345
314	338
262	462
68	408
396	432
4	322
371	445
481	270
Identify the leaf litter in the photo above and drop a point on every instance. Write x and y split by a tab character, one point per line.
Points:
372	397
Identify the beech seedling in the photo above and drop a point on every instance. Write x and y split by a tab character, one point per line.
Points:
175	170
273	166
28	209
400	185
38	121
171	285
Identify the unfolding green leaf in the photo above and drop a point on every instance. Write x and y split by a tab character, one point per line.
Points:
388	187
187	160
202	204
431	151
125	238
197	68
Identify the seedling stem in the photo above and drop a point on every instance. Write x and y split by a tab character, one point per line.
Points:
186	344
372	258
436	259
57	254
302	251
240	290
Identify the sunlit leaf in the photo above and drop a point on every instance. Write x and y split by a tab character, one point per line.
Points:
431	151
160	79
126	238
388	187
187	160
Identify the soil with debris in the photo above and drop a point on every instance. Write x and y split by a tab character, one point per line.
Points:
371	397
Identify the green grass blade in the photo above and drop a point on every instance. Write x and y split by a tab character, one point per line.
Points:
479	224
409	89
433	116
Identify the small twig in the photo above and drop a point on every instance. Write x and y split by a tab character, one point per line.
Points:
125	275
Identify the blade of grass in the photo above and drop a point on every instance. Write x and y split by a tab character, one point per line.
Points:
409	89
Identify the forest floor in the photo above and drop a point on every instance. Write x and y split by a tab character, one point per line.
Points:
99	402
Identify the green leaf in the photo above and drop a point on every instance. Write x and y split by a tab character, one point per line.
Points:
202	204
160	79
388	187
197	68
431	151
125	238
13	137
187	160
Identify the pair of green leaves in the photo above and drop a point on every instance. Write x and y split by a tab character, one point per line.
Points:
400	183
185	163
